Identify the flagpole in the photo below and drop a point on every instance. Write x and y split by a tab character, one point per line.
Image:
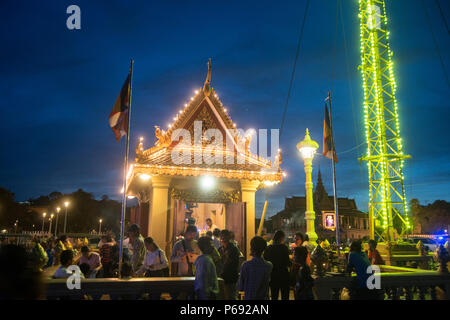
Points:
336	208
125	168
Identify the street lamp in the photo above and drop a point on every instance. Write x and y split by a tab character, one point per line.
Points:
58	209
307	149
50	228
43	221
66	204
100	226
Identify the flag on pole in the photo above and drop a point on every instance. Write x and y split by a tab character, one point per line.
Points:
328	144
118	118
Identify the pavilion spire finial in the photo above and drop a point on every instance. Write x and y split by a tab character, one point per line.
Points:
207	86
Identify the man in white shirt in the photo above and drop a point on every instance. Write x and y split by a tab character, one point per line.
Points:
209	226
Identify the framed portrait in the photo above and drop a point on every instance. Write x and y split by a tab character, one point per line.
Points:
329	220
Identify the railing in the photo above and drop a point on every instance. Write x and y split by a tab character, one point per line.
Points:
405	285
134	288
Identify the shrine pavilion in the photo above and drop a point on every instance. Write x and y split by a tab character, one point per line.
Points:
173	193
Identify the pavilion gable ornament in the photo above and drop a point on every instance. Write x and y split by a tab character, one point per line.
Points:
162	136
213	196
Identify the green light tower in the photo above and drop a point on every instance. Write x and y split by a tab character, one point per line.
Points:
385	157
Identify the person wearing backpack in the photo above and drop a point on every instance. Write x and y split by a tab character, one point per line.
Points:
184	253
155	263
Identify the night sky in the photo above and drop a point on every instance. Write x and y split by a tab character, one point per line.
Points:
58	87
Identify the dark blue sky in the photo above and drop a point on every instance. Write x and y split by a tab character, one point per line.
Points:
58	86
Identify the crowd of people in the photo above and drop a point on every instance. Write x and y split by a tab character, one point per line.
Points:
275	270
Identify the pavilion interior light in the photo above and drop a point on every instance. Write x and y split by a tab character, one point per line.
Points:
207	182
144	177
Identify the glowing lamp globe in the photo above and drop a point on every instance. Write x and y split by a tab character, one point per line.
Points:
307	147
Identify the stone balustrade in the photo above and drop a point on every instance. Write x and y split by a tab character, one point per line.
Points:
113	288
397	283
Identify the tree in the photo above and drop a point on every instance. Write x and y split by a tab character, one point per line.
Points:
433	218
10	211
55	195
84	211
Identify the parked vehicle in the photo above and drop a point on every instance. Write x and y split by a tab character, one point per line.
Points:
428	243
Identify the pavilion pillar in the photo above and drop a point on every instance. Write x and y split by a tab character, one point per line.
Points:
144	211
159	208
248	190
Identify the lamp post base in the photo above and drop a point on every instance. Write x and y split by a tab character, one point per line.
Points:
312	237
310	217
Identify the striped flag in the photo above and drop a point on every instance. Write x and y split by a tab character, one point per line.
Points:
118	118
328	143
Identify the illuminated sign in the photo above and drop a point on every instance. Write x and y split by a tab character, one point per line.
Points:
329	220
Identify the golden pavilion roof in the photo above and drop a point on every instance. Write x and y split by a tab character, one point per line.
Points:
238	162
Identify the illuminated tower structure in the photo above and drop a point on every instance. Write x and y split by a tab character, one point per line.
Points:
385	157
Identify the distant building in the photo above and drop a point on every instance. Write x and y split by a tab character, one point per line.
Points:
353	223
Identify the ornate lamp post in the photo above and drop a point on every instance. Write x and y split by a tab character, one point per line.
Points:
66	204
307	149
43	221
56	222
50	228
100	226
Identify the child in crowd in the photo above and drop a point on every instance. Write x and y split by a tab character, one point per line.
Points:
64	271
86	270
374	256
127	270
206	285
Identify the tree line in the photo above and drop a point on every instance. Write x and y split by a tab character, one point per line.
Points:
84	212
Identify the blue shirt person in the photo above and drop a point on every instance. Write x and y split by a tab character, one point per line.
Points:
206	285
359	262
255	274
